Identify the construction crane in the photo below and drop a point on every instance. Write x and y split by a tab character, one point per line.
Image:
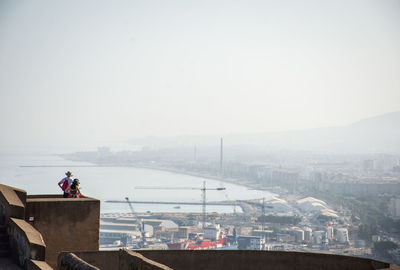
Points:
139	223
203	190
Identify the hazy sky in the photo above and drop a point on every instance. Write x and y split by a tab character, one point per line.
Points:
112	70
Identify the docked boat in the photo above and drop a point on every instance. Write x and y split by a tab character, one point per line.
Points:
189	244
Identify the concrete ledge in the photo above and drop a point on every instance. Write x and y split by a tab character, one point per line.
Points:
25	241
54	198
22	195
12	203
38	265
133	260
111	260
72	262
392	267
226	259
272	260
65	224
107	259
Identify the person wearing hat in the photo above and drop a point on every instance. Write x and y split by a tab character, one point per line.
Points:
65	183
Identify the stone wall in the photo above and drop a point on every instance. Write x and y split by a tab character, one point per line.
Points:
246	259
65	224
38	265
70	261
109	260
227	259
132	260
26	242
101	259
12	203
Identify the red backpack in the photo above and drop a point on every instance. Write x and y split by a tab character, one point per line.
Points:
65	185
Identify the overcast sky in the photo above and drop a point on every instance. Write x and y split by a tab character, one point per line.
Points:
89	71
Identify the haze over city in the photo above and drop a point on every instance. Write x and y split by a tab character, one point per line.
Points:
240	125
79	73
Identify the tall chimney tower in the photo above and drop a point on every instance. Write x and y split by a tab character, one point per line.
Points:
221	159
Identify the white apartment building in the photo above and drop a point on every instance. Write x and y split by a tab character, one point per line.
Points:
394	208
342	235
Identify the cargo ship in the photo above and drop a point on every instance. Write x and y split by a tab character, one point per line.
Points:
189	244
212	238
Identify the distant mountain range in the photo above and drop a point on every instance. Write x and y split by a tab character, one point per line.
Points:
380	134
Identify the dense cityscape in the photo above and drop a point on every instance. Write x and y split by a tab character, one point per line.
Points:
200	135
341	204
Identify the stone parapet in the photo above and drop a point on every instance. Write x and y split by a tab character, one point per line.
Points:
38	265
132	260
70	261
12	203
25	241
250	259
66	224
225	259
111	260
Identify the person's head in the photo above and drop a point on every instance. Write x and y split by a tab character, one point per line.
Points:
75	182
69	174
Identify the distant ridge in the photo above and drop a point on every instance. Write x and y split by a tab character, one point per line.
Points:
379	134
387	120
376	134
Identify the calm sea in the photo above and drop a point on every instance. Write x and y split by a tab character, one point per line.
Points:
35	174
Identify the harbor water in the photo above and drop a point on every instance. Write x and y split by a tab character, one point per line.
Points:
39	174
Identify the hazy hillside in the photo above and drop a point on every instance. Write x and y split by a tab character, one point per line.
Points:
376	134
380	134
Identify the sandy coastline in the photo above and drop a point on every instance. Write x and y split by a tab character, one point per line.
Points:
236	181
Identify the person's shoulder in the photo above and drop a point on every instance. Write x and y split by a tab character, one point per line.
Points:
63	179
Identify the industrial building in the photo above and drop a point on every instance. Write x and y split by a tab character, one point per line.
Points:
251	242
39	228
342	235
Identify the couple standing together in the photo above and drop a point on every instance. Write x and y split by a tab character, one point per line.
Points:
69	186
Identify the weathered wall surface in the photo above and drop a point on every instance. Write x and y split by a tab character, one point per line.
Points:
132	260
69	261
227	259
111	260
26	244
271	260
12	203
65	224
25	241
38	265
101	259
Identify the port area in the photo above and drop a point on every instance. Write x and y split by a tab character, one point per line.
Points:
289	226
122	230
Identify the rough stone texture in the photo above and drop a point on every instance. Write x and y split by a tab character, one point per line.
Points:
101	259
12	203
21	195
65	224
8	264
132	260
25	241
229	259
112	260
72	262
38	265
271	260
